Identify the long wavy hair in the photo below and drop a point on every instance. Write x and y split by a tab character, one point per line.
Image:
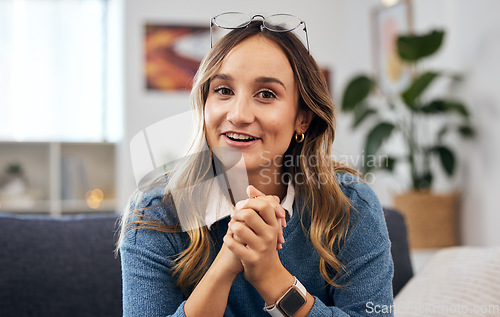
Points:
327	208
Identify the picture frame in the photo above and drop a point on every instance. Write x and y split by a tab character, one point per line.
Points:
387	23
172	54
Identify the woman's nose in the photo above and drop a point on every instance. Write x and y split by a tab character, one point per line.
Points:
240	112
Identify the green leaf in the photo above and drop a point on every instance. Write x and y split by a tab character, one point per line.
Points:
442	106
458	107
466	131
360	114
441	133
417	88
447	159
376	137
436	106
357	90
388	163
414	47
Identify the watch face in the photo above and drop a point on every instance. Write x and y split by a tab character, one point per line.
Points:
291	302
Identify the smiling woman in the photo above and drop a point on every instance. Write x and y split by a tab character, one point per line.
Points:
308	238
252	105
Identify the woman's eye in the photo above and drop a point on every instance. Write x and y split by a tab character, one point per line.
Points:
223	91
267	94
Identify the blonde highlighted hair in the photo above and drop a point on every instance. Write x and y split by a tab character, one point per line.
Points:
315	184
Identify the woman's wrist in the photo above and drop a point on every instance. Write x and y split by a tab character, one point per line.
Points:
274	285
221	275
276	289
209	297
226	266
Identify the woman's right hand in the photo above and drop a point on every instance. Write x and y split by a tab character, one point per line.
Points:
226	258
253	192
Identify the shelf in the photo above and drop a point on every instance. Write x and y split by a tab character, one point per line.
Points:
35	206
78	206
58	177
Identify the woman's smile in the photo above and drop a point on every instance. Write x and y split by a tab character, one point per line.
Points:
239	139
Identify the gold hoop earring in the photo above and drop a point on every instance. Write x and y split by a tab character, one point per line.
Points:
299	137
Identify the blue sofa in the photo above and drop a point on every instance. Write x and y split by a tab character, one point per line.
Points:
59	266
66	266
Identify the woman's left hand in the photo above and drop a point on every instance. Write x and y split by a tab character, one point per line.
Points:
255	232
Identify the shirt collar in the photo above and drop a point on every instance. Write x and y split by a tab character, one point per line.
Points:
219	207
287	202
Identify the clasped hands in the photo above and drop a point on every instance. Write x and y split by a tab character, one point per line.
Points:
255	233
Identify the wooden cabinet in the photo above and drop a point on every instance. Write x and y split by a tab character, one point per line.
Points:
57	177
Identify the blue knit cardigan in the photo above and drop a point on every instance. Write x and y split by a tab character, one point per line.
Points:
366	285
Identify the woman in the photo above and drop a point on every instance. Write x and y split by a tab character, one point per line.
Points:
259	92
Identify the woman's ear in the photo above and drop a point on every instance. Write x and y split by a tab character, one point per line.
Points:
303	121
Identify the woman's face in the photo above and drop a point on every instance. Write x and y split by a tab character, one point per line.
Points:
252	104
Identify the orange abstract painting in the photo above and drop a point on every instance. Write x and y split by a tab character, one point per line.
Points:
172	54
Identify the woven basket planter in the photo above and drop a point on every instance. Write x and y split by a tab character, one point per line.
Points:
431	219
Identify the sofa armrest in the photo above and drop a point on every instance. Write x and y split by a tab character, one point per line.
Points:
396	226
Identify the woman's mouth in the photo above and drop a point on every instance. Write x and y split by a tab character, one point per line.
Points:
238	137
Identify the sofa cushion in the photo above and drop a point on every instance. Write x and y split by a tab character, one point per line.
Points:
458	281
59	266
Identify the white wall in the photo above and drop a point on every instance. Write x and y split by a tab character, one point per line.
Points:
339	36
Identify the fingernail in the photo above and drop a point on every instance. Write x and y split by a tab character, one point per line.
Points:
239	204
249	188
281	211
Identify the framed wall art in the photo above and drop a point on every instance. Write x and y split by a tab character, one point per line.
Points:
388	22
172	55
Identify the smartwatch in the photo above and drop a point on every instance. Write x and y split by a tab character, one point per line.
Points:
288	304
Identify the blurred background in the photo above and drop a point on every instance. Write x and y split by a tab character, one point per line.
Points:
80	78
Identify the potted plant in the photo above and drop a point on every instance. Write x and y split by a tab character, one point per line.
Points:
410	116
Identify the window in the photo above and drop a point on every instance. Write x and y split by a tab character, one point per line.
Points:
53	74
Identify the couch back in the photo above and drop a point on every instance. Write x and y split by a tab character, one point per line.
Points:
403	270
59	266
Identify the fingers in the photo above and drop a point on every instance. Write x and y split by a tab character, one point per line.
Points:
281	239
261	221
253	192
274	201
239	249
243	233
263	239
278	209
262	207
257	225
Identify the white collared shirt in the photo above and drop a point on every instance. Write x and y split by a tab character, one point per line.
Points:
219	207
